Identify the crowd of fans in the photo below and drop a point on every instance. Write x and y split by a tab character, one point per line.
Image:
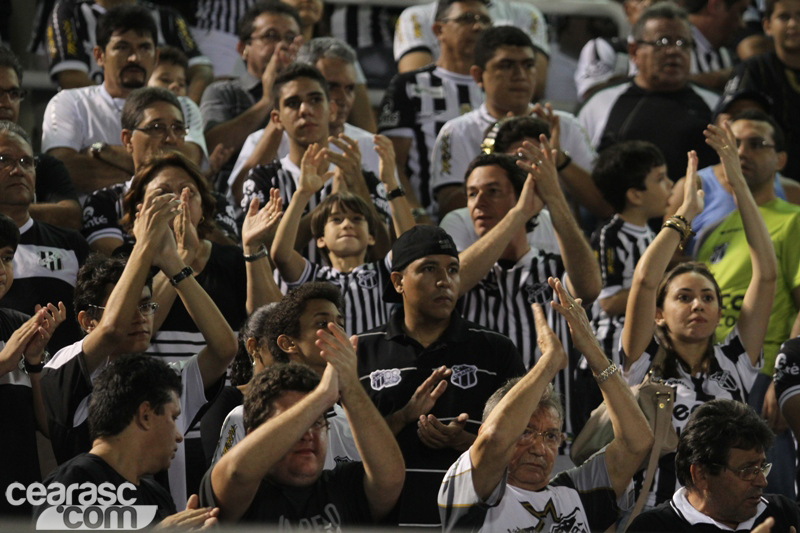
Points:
228	283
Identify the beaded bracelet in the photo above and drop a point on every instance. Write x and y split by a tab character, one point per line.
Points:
607	373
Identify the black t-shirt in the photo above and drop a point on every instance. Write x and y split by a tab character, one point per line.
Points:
92	469
668	517
53	183
21	462
336	499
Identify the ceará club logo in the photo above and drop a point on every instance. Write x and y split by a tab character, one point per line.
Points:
83	506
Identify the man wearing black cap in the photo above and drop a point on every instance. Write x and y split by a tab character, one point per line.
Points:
428	370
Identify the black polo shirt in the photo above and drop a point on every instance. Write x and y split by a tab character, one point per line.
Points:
391	365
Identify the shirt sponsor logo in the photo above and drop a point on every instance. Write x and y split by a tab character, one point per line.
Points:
718	253
382	379
464	376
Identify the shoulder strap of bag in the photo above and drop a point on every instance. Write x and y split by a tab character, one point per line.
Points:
662	425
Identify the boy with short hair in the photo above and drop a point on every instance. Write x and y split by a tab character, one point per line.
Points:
170	71
632	176
344	228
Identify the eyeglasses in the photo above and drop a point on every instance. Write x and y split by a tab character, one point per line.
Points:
15	95
666	42
274	37
158	129
754	143
144	309
320	423
470	19
749	473
551	437
26	162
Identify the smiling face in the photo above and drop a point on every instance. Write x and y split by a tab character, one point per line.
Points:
532	462
9	107
784	27
303	463
174	180
662	68
17	180
509	78
304	111
729	499
691	310
127	61
6	268
346	233
490	196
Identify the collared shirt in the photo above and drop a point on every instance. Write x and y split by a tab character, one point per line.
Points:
391	365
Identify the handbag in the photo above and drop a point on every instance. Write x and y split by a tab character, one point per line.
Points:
655	399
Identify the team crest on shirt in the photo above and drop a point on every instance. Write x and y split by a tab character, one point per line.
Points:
725	380
51	260
464	376
549	519
382	379
718	253
367	279
536	292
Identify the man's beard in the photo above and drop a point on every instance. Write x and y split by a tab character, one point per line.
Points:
133	83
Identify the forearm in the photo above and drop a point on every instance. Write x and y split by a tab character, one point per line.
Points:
237	475
397	421
89	174
66	213
361	114
261	286
200	77
164	295
234	132
402	218
579	261
715	80
615	304
265	151
38	404
284	244
478	259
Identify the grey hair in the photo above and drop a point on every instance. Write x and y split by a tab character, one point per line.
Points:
7	127
662	10
549	400
325	48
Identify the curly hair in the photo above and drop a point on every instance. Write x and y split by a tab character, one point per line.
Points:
269	384
149	171
713	429
123	386
255	327
286	318
97	273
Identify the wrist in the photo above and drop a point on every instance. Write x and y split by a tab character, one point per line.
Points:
172	266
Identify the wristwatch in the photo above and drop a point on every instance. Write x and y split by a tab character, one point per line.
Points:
96	148
182	275
396	193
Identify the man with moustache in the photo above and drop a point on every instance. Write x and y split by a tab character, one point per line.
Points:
82	126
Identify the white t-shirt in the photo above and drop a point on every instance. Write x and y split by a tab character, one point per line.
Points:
459	142
414	27
77	118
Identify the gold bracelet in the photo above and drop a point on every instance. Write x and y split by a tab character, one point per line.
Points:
607	373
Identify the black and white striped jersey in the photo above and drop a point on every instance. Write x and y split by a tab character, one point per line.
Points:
71	36
362	292
706	58
363	26
416	106
283	175
617	246
221	15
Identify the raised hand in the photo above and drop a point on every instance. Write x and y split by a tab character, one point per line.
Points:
193	518
260	225
570	308
186	237
310	181
540	162
692	197
388	168
340	352
348	163
48	319
554	121
722	140
218	157
424	398
281	58
153	216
